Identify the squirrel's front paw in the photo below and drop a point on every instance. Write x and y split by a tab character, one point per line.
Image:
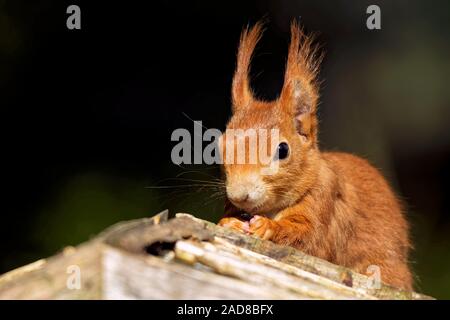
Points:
262	227
234	223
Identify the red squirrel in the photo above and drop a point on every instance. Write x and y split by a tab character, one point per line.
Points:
331	205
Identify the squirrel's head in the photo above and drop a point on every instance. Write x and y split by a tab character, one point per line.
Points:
290	125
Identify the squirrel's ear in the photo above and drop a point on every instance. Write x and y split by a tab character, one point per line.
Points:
241	91
299	96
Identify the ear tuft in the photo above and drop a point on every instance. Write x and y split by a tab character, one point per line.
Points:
304	56
241	91
299	96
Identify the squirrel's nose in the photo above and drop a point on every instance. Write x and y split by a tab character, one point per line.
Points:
245	191
239	197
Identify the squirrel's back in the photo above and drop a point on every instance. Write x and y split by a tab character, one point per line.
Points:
379	228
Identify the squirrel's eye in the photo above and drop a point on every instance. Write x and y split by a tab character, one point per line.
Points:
282	151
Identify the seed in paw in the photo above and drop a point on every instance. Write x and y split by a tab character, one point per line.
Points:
245	216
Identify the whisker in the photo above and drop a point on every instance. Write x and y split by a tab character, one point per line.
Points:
208	182
181	186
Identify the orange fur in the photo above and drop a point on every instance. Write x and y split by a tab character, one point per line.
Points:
335	206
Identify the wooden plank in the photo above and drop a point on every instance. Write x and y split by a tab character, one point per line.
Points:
293	257
48	278
132	276
187	258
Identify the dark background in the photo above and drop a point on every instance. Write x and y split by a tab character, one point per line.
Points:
87	115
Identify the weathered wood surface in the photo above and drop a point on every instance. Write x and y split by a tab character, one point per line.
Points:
188	258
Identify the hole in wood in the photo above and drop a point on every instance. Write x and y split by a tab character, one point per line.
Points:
159	248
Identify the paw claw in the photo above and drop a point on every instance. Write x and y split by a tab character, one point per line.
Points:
235	224
261	227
